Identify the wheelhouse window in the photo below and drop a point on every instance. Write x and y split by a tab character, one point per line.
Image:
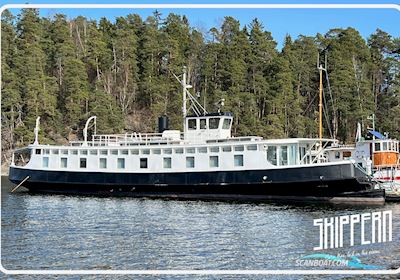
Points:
167	162
121	163
238	160
214	161
385	146
38	151
82	162
226	124
64	162
283	156
272	156
103	163
190	162
214	123
203	123
143	163
377	147
192	124
45	162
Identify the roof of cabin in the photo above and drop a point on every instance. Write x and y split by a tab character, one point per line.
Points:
214	114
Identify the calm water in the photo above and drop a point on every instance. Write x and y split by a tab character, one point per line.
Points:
70	232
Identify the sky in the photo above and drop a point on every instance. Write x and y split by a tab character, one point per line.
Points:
279	22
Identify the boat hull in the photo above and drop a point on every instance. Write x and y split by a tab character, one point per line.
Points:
329	183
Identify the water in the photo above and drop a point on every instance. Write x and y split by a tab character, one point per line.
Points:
72	232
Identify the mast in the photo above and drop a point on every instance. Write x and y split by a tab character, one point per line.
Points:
320	105
184	88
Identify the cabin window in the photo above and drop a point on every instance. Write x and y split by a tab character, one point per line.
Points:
239	148
252	147
123	152
114	152
179	151
83	152
226	124
167	162
104	152
302	151
134	152
167	151
213	161
38	151
103	163
392	146
202	150
346	154
121	163
63	162
214	123
45	161
64	152
190	162
156	151
283	156
74	152
397	147
337	155
146	152
377	147
238	160
292	157
54	152
192	124
93	152
143	163
227	149
385	146
82	163
46	151
272	155
190	150
214	149
203	123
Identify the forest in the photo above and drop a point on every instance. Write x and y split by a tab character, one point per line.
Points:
66	70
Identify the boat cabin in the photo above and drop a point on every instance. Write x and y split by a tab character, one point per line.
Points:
383	152
211	126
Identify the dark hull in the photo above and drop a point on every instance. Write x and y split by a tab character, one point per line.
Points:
337	183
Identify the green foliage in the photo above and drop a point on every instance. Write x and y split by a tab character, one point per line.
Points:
65	70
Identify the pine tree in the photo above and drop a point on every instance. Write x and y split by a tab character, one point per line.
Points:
38	90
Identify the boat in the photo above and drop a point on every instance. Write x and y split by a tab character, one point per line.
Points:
203	162
378	156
